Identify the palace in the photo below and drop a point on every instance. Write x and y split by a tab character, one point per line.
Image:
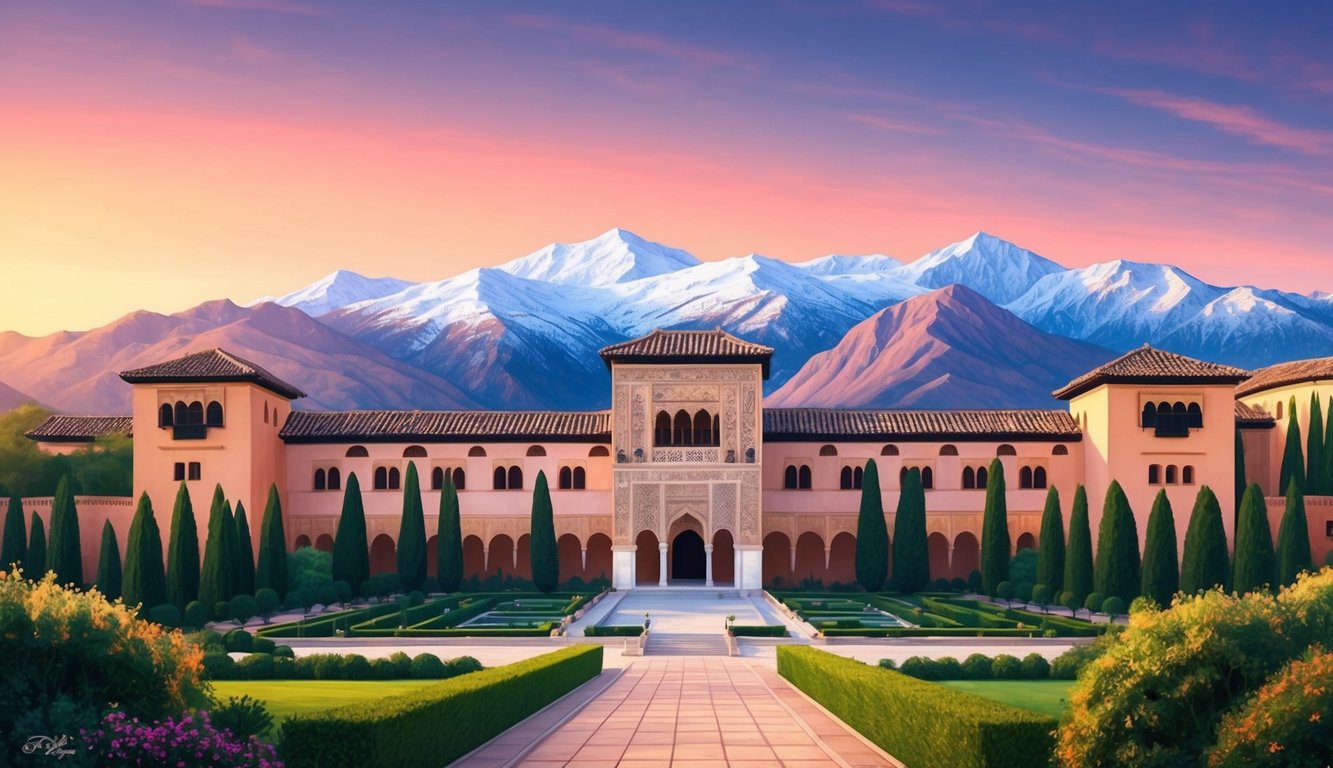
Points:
688	476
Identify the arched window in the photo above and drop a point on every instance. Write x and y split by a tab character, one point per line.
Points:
437	478
598	450
703	428
320	483
395	478
414	452
1195	415
1039	477
1179	408
803	477
460	479
1187	475
1006	450
969	477
1149	418
1025	477
845	479
515	478
536	450
476	451
381	478
1060	450
165	416
948	450
717	431
1171	474
190	414
214	414
500	480
681	432
858	476
265	411
357	452
983	477
662	429
1278	410
566	480
335	479
902	477
789	477
580	478
1154	474
889	450
828	450
927	478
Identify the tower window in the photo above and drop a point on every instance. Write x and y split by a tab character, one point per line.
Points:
214	415
195	471
178	471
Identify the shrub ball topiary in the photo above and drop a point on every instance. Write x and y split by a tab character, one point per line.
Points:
217	665
1034	666
264	645
958	584
1005	590
166	614
427	666
1041	594
268	601
221	610
1024	592
284	651
1113	606
326	595
239	641
1006	667
343	590
1070	600
977	667
416	597
974	581
244	608
1094	601
256	666
919	667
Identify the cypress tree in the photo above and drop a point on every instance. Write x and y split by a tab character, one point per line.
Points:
15	545
183	551
542	551
1240	478
108	564
911	563
1117	566
1078	555
995	547
412	533
1254	566
64	553
1293	462
1161	567
35	562
215	577
271	568
1293	539
449	540
1314	450
351	558
245	553
1051	547
231	552
145	579
1326	453
1205	563
872	534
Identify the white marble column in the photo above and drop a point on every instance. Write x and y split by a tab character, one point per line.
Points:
661	565
708	565
584	552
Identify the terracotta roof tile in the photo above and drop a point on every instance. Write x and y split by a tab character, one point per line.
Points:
662	345
1252	417
1283	374
1147	365
79	429
209	366
788	424
446	426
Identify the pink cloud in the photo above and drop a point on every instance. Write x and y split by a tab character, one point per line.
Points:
1232	119
638	42
895	125
276	6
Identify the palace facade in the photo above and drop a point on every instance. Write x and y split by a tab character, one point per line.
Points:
688	476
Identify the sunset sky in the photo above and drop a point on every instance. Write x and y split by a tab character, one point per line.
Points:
157	154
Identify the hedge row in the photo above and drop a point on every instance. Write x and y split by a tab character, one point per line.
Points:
932	632
922	724
615	630
758	630
437	724
410	615
324	625
978	666
335	666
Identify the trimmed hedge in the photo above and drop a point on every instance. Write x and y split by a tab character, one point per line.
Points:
758	630
615	630
437	724
922	724
932	632
323	626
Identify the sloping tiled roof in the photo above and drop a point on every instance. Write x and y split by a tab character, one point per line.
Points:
1252	417
79	429
1282	374
789	424
209	366
446	426
684	346
1146	365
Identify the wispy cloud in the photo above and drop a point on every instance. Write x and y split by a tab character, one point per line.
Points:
634	41
895	125
296	7
1233	119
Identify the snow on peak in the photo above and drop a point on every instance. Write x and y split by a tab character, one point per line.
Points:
615	256
837	264
336	290
995	268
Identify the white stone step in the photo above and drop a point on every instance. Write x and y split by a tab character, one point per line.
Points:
682	644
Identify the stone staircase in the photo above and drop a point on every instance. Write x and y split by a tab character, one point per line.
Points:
685	644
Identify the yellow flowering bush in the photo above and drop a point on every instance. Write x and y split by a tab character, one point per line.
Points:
1159	693
1288	722
68	656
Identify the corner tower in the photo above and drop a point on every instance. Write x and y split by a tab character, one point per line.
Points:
208	418
686	447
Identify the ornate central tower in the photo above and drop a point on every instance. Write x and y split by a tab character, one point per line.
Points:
687	444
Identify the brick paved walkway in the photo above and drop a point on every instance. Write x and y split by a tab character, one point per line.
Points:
702	713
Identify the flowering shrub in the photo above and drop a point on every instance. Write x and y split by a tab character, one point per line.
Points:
1288	722
67	657
189	741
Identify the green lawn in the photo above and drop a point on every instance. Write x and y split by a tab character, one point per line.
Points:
289	697
1047	697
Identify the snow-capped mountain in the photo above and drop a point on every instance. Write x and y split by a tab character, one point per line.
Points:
997	269
335	291
615	256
